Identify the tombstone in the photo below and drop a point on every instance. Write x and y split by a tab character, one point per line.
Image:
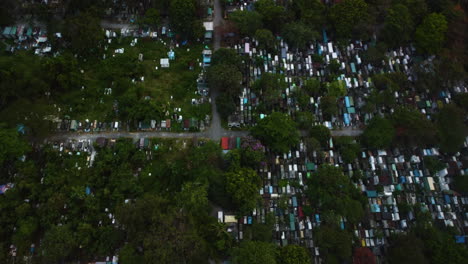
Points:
140	57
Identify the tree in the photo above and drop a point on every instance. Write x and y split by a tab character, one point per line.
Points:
248	22
254	253
398	27
433	164
277	131
321	133
298	35
311	13
452	129
252	152
304	120
412	127
379	133
270	86
265	38
182	14
243	185
225	78
151	17
84	33
328	106
312	87
225	105
58	244
273	15
346	15
335	245
337	88
11	145
348	148
293	254
329	190
398	251
430	35
227	57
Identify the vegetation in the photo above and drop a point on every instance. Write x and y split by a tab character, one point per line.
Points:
379	133
277	131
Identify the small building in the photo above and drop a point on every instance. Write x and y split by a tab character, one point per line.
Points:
164	63
225	143
429	183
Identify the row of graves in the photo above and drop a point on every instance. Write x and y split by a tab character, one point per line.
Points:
390	178
354	79
25	37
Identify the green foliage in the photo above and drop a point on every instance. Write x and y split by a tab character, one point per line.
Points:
270	85
433	164
430	35
348	148
304	120
84	33
227	57
312	87
151	17
412	127
398	27
277	131
452	128
311	13
225	78
398	252
58	244
273	15
330	190
225	105
378	134
265	38
248	22
346	15
337	89
11	145
335	245
243	185
254	252
293	254
298	35
182	14
321	133
461	183
328	106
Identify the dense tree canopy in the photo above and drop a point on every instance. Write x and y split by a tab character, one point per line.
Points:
398	27
452	128
225	78
298	35
412	127
379	133
243	185
254	252
248	22
331	191
183	15
430	35
84	33
277	131
294	254
347	15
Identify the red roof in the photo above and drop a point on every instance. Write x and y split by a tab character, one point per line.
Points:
225	143
363	256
